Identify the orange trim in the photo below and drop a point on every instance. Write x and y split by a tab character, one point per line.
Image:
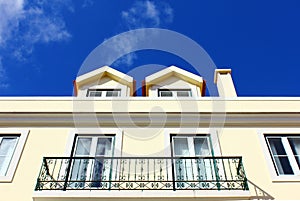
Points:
203	89
143	88
75	88
134	88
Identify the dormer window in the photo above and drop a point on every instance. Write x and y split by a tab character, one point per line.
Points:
174	93
104	93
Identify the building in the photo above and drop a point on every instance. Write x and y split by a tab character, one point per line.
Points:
171	144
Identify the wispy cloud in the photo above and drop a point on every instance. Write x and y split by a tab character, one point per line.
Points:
32	22
87	3
3	77
142	14
147	14
24	23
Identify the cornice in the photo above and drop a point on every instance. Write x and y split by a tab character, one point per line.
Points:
146	119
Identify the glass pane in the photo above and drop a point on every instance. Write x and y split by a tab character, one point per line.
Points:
7	144
295	145
95	93
79	171
7	148
166	94
276	146
83	146
104	147
298	160
183	93
181	147
283	165
201	146
112	93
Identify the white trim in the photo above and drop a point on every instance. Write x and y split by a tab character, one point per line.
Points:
173	69
17	153
88	131
267	155
174	92
146	98
100	71
237	194
182	131
104	92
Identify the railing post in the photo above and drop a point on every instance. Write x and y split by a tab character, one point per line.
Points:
37	186
173	174
217	173
68	174
241	166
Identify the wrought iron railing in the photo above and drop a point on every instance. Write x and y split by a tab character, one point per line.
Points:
147	173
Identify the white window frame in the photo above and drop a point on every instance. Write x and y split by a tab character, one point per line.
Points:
74	133
104	92
211	132
288	150
174	92
117	152
23	134
262	133
191	144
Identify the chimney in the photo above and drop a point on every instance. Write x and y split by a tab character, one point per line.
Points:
224	83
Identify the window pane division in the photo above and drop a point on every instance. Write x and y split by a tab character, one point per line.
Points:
195	169
7	148
285	154
174	93
104	93
95	171
295	145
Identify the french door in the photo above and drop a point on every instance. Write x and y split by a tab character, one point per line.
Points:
94	171
198	168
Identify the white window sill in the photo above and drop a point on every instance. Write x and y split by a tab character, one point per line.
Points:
17	153
286	178
105	194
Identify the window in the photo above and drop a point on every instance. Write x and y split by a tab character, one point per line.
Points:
12	142
104	92
7	149
285	153
174	93
96	169
188	169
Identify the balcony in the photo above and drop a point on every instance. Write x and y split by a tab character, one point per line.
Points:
142	173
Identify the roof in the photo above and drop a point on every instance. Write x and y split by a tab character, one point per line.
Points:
173	71
164	74
104	71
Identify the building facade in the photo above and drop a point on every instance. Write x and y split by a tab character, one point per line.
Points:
172	143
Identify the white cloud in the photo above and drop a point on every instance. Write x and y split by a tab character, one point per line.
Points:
26	23
147	14
10	14
143	14
87	3
3	77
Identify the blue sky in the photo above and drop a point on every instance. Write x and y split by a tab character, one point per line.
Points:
44	43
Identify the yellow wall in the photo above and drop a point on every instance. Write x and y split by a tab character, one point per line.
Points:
40	142
52	141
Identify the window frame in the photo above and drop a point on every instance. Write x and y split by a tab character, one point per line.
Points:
103	93
289	153
94	139
191	143
267	155
174	95
23	134
117	133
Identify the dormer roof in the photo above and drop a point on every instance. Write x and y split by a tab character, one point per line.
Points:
104	71
166	73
